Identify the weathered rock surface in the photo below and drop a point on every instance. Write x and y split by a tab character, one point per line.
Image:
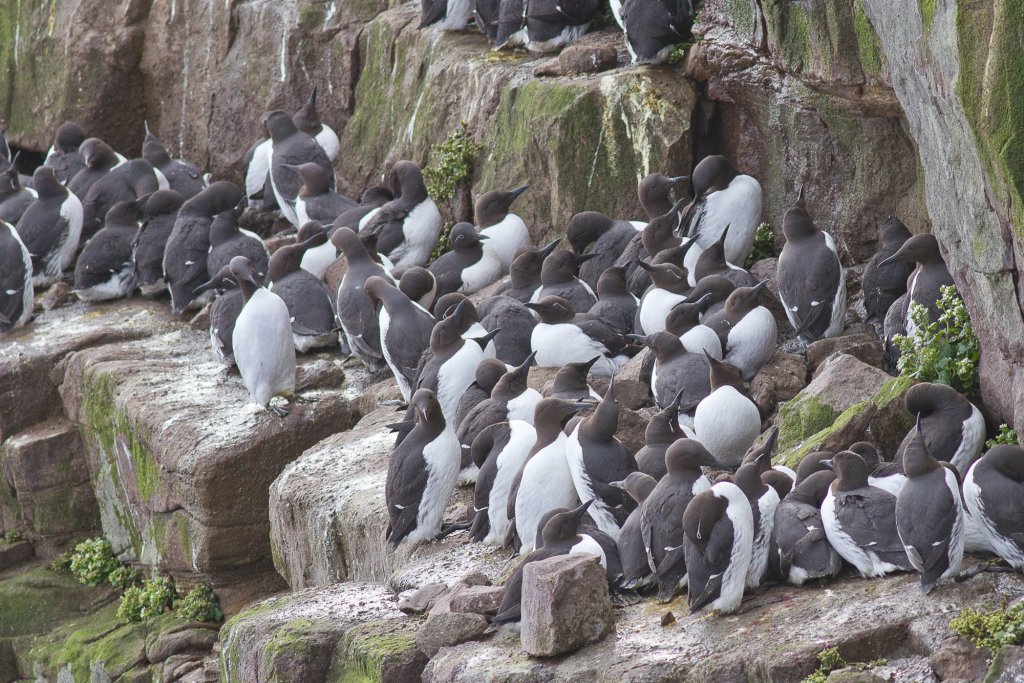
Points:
328	519
180	459
349	631
778	380
449	628
864	347
776	637
565	605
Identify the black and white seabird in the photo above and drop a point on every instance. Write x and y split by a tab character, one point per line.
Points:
812	281
563	337
924	286
451	366
228	240
727	422
319	258
355	309
307	119
994	493
470	326
669	287
763	500
370	201
408	226
422	474
719	533
291	147
159	214
711	261
722	197
636	571
189	242
679	377
100	158
560	536
545	481
308	298
129	181
654	27
952	427
469	266
485	378
800	549
661	432
684	322
596	459
570	382
860	520
514	323
746	330
661	514
16	290
485	14
815	461
524	273
223	312
717	288
14	199
172	174
499	452
511	398
262	339
405	328
655	237
506	231
553	24
317	200
511	24
447	15
558	277
105	270
51	228
615	303
419	285
930	514
64	156
883	285
609	238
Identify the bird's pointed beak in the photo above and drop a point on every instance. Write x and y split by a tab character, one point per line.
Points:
518	191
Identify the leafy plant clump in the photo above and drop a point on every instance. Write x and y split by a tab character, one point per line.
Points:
829	660
1005	436
93	561
945	351
200	604
11	537
62	563
444	242
991	630
764	245
451	164
154	597
123	577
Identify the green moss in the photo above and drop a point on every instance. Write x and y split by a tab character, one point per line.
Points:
789	29
868	45
927	13
38	600
893	389
363	649
989	84
741	12
802	417
792	456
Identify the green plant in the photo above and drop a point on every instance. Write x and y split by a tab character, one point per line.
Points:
199	605
945	351
444	242
764	245
62	563
1005	436
154	597
92	561
451	164
678	53
829	660
990	629
123	577
11	537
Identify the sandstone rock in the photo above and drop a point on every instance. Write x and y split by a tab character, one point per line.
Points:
863	403
188	640
1007	665
421	599
854	676
314	635
59	294
865	348
632	384
957	659
565	605
449	628
579	58
477	600
386	646
177	453
778	380
14	554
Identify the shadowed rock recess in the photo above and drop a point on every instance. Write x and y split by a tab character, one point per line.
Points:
117	420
